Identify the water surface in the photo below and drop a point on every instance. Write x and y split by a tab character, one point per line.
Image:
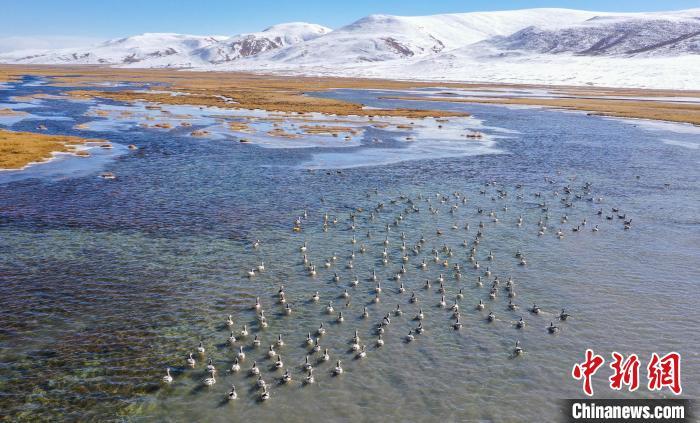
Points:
106	283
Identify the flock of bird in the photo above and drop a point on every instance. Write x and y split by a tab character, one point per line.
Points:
379	232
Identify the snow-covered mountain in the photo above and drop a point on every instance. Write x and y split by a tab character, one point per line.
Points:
274	37
607	36
147	50
558	46
175	50
383	37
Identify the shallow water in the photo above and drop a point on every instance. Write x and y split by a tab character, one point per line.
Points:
106	283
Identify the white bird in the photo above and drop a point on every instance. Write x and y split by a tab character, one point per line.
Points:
338	369
167	378
307	364
517	350
264	395
232	395
380	341
310	377
211	380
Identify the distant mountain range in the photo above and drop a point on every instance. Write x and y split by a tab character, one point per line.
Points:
548	46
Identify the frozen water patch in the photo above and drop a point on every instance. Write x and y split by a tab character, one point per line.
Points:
655	125
386	156
66	165
685	144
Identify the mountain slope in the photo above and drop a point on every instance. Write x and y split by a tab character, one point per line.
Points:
384	37
543	46
176	50
272	38
613	36
152	49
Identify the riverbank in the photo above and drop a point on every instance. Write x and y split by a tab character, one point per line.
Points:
681	112
21	149
289	93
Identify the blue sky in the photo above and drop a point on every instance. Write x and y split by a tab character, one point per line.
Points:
54	23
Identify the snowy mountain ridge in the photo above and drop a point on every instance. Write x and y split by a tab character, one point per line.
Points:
563	46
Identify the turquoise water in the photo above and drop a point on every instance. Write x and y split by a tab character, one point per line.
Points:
105	283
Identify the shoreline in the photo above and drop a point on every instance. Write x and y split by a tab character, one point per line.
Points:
274	92
20	150
289	95
661	111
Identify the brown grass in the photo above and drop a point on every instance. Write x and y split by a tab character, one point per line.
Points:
640	109
286	94
10	112
249	91
333	130
239	126
18	149
199	133
281	133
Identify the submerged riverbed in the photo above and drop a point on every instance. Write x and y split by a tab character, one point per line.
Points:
105	283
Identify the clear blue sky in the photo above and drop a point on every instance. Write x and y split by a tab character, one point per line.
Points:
100	19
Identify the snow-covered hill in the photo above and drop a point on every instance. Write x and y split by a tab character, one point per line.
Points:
146	50
384	37
274	37
175	50
607	36
547	46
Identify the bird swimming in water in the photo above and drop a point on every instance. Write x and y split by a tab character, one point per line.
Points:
236	366
232	395
167	378
380	341
563	315
209	381
309	377
338	369
517	350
